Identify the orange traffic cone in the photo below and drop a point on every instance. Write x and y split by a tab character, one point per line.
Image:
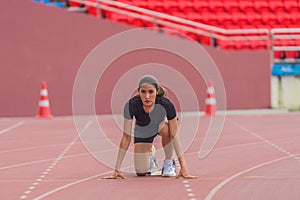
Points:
44	106
210	101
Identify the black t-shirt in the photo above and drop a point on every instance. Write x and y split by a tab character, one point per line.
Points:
147	124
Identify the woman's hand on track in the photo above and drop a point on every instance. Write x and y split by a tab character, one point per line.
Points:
185	175
117	174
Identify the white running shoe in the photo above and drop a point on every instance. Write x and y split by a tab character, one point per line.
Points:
169	168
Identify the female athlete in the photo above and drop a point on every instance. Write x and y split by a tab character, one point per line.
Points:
154	115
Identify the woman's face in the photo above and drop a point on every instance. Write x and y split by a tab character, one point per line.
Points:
148	94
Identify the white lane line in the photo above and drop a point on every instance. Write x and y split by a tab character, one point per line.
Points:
289	155
26	163
187	186
188	189
264	140
75	182
50	167
38	147
32	148
227	180
87	154
51	159
11	127
71	184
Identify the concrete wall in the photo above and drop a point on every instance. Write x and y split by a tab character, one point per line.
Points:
285	92
246	76
41	43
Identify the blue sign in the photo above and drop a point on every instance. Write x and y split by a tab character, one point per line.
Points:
286	69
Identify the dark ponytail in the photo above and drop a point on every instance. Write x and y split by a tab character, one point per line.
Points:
161	91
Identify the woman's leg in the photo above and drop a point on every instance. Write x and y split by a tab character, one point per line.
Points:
166	140
169	166
142	153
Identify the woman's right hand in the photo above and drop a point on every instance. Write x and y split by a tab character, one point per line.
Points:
117	174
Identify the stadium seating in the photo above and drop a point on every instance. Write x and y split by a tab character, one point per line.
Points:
74	4
227	14
231	6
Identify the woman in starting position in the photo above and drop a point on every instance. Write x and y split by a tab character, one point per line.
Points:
154	115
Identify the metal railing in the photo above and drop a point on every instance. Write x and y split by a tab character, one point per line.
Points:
278	34
291	36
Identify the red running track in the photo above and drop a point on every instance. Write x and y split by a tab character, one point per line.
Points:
256	157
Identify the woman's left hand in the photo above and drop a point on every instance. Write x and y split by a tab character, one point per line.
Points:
185	175
117	174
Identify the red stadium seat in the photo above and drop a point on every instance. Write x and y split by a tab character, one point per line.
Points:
261	6
258	44
179	14
293	26
216	6
296	18
254	18
224	18
279	26
291	54
246	6
284	18
148	24
297	42
291	6
204	40
186	6
195	16
247	26
277	43
287	42
231	6
192	36
210	18
173	32
263	26
92	10
276	6
279	54
139	23
171	6
242	44
75	4
127	1
119	18
201	6
156	6
270	1
138	3
232	26
226	44
269	18
239	18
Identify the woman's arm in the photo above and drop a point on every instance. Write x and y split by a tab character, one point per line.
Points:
173	128
124	144
123	147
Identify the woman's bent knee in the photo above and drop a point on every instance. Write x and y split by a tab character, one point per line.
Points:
164	130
